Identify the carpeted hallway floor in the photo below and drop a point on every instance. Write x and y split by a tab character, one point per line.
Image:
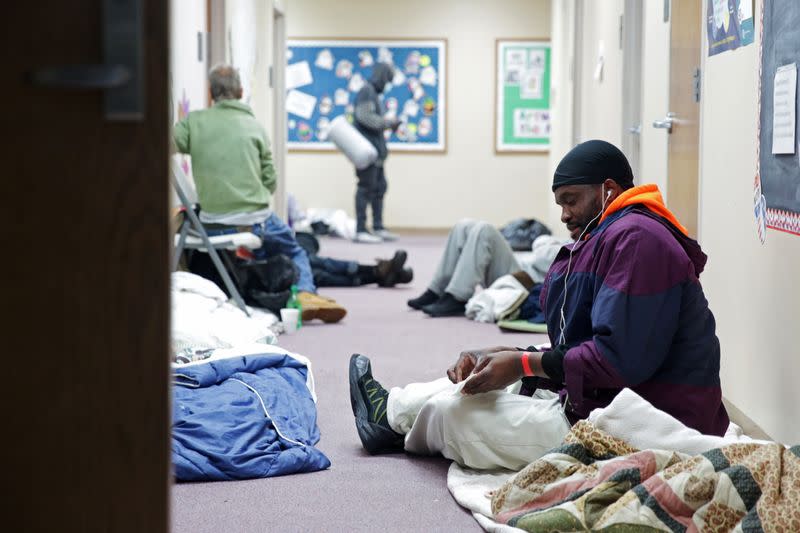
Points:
359	492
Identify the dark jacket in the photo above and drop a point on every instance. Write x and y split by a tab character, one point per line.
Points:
369	110
636	317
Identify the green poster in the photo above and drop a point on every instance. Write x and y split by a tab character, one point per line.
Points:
522	116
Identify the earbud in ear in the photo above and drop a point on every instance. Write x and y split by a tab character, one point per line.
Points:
608	194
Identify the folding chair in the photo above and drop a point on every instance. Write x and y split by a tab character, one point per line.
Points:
193	236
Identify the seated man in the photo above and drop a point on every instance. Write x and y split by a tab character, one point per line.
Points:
477	253
235	180
624	308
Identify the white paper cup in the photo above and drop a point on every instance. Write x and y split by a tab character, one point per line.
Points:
289	318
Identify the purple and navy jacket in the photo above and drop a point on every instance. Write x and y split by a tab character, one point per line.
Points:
636	317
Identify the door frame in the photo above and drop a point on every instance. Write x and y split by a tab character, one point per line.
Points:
683	166
577	72
632	41
278	86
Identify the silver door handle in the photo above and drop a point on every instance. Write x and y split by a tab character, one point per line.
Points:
121	74
667	123
635	130
81	76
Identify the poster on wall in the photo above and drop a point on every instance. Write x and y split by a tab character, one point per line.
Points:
729	25
778	174
323	77
522	98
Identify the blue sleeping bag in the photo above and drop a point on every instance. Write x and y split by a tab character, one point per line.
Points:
242	418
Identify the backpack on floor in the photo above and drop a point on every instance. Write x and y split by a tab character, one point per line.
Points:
263	283
521	233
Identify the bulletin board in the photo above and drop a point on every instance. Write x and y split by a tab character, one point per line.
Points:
779	173
324	75
522	95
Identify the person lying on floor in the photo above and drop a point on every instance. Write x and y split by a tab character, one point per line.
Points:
624	308
235	179
476	253
330	272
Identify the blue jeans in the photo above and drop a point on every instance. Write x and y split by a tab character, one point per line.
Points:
278	238
334	272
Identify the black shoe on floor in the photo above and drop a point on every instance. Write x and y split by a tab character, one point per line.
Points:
405	276
369	401
447	305
387	271
426	298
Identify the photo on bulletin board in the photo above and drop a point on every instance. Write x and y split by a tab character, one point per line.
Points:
522	95
729	25
323	77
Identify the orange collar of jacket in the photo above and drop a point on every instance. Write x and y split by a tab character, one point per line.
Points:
647	195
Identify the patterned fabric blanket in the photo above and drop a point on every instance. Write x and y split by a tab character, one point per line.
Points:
595	482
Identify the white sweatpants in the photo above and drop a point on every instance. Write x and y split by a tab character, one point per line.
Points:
499	429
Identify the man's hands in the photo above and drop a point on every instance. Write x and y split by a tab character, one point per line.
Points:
495	371
468	359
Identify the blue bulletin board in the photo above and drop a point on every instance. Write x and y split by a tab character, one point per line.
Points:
777	183
324	76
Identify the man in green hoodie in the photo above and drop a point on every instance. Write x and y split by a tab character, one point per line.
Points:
235	180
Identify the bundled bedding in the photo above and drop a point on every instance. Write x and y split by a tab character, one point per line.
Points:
245	413
595	482
631	467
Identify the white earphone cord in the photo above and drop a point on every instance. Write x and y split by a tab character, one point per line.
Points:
562	325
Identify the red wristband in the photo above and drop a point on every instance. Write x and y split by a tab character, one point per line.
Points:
526	364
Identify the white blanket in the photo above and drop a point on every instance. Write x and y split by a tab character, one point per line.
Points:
203	318
337	221
500	300
471	489
543	252
634	420
629	417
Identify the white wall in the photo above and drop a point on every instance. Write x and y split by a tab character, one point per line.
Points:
188	74
754	290
601	100
655	96
249	27
469	180
561	97
248	47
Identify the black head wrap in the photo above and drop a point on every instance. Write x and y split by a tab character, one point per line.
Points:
592	163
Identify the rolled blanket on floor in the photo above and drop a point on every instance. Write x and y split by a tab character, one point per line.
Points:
244	416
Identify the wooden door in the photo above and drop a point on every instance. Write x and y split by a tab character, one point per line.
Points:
684	140
278	88
85	265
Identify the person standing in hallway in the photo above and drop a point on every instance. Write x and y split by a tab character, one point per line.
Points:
371	189
235	180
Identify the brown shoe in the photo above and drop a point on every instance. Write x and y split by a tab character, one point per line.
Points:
324	309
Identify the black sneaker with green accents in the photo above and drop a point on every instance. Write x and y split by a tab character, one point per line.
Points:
369	401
